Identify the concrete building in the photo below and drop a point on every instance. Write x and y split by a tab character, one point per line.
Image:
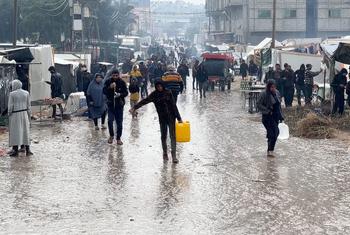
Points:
142	16
250	21
172	18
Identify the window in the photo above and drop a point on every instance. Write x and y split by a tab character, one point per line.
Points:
264	14
334	13
290	13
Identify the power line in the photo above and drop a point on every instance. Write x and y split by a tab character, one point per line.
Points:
53	3
59	13
55	9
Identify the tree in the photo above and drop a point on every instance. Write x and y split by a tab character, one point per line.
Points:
44	21
114	18
47	19
6	21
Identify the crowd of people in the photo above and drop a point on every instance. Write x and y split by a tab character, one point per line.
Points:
106	94
282	84
287	80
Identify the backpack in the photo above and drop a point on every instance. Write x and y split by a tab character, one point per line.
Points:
134	81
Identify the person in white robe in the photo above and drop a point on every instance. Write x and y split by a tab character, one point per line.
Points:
19	119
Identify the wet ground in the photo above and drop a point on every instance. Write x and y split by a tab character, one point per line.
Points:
224	184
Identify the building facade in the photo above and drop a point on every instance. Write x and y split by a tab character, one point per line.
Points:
142	14
250	21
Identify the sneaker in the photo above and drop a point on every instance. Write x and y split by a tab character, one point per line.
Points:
103	127
97	128
119	142
110	140
175	160
29	153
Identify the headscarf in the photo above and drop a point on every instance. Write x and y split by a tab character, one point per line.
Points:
98	74
344	71
16	85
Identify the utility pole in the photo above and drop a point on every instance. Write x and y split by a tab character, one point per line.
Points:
82	22
273	24
15	11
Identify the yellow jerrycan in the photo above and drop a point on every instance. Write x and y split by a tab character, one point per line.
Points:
183	132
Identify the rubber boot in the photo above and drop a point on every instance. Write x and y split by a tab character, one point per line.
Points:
22	149
14	152
28	152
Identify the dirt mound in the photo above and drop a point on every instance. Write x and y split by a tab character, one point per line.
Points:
315	127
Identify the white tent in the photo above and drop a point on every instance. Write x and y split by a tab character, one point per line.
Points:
67	62
78	58
301	42
38	71
266	43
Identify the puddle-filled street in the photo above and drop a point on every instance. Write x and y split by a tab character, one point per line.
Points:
224	183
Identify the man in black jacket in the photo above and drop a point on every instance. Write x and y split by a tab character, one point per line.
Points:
243	69
167	112
338	85
115	90
202	78
288	85
299	79
56	89
184	72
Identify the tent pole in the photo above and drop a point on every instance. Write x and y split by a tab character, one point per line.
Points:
324	84
273	24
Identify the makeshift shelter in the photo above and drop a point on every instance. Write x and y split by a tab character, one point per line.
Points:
261	54
33	61
7	74
336	55
66	69
78	58
20	55
23	58
303	45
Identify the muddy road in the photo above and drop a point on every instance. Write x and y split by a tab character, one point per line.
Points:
224	184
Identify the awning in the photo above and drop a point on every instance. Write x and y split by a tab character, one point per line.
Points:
20	55
342	53
105	63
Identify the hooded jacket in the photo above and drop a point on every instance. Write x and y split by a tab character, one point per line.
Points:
165	105
56	85
266	104
339	82
172	81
